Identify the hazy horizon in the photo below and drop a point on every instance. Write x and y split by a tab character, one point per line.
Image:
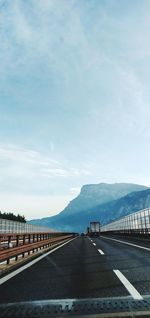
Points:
74	99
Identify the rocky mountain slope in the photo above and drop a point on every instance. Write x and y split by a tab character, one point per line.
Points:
95	194
104	202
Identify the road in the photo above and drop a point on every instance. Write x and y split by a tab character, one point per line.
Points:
83	268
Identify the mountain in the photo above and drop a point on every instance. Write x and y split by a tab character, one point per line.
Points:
104	202
95	194
128	204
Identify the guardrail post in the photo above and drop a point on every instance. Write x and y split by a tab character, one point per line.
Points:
24	239
0	242
145	230
17	240
9	241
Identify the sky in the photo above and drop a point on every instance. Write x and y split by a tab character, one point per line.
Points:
74	99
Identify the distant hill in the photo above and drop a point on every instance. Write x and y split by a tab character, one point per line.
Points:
104	202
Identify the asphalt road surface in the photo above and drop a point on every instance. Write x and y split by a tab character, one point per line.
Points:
83	268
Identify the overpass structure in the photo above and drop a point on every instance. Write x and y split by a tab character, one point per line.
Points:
106	276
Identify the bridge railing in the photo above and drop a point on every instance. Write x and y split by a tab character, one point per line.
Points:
138	222
7	226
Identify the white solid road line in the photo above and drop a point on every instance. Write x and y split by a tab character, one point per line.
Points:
135	245
94	244
21	269
133	292
101	252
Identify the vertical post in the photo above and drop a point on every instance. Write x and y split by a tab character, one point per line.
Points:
145	231
141	222
17	240
24	239
0	241
9	241
148	221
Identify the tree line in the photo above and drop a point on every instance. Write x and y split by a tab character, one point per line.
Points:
12	217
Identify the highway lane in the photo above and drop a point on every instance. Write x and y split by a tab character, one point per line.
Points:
83	269
74	271
132	261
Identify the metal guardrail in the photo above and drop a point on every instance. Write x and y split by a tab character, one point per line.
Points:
7	226
138	222
25	245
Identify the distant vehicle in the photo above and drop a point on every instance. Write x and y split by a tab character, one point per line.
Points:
94	229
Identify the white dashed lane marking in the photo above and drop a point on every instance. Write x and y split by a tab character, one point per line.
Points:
101	252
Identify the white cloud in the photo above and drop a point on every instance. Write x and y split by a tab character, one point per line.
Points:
26	164
18	161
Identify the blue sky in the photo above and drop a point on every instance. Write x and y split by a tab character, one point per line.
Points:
74	99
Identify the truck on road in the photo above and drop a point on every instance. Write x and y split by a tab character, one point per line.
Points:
94	229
